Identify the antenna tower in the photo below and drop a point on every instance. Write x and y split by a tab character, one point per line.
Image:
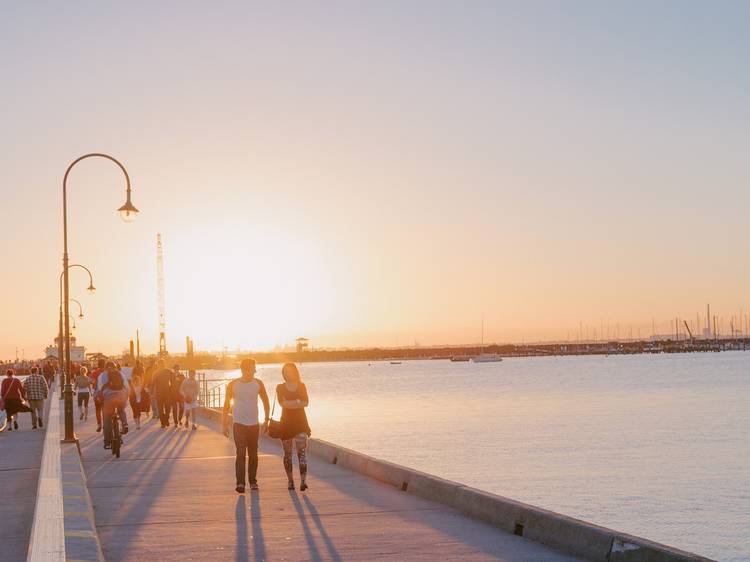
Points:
160	287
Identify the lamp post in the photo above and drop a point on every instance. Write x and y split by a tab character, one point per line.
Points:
127	213
60	343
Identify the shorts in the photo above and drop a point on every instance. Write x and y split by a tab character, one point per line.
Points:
83	399
189	406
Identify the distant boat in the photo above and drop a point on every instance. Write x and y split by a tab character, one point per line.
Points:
460	359
486	357
395	362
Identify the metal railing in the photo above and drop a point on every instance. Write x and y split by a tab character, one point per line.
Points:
212	391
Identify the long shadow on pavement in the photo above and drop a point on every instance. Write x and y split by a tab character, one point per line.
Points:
314	552
332	552
259	544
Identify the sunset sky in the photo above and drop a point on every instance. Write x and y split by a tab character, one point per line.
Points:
374	174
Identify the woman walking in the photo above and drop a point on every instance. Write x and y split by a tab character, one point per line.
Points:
292	396
13	395
83	388
189	391
178	401
136	395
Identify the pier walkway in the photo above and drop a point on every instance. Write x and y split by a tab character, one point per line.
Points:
20	460
171	497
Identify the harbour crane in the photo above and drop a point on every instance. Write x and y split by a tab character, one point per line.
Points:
160	290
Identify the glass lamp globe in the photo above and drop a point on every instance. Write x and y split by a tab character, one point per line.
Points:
128	211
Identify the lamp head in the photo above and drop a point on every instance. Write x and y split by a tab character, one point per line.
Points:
91	289
128	210
80	316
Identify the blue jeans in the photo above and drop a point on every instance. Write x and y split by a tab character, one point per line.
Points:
115	401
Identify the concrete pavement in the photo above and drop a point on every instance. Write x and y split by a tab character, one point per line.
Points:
20	458
171	497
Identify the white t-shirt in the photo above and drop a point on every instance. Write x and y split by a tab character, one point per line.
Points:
245	396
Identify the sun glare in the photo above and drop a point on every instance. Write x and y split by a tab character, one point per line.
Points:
254	289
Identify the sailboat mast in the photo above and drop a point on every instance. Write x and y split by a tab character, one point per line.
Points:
482	345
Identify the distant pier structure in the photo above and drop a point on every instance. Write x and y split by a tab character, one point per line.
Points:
302	345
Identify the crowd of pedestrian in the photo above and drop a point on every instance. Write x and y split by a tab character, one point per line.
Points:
167	395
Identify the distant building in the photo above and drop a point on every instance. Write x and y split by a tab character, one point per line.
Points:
77	352
302	344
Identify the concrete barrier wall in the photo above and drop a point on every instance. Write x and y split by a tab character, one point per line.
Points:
561	532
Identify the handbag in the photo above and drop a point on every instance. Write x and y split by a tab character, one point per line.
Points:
274	427
145	400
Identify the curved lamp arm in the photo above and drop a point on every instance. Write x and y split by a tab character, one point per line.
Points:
80	308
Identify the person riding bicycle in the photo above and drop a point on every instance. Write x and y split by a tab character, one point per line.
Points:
113	391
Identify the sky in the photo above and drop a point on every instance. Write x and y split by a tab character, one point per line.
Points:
381	173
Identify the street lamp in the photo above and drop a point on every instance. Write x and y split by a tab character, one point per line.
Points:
127	213
60	342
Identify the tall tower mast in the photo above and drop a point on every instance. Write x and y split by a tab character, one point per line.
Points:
160	288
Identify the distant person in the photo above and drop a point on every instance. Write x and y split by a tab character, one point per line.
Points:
190	391
13	395
36	393
292	396
242	399
49	373
148	383
163	380
126	370
101	364
83	389
113	389
136	396
178	402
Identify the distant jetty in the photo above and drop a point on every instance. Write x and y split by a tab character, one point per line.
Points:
391	354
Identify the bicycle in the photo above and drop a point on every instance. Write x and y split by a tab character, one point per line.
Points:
116	437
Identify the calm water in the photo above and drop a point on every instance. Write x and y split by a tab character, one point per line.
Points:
656	445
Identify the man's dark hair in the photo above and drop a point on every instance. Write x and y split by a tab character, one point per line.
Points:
247	365
101	363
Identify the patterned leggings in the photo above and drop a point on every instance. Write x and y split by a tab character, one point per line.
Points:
300	442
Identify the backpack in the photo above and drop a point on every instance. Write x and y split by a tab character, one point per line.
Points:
114	380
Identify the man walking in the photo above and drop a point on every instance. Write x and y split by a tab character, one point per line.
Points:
163	381
95	385
36	393
242	398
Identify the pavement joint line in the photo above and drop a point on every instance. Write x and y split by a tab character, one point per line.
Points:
81	534
279	515
77	513
141	459
72	497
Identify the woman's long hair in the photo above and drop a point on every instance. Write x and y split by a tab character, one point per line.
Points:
290	371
